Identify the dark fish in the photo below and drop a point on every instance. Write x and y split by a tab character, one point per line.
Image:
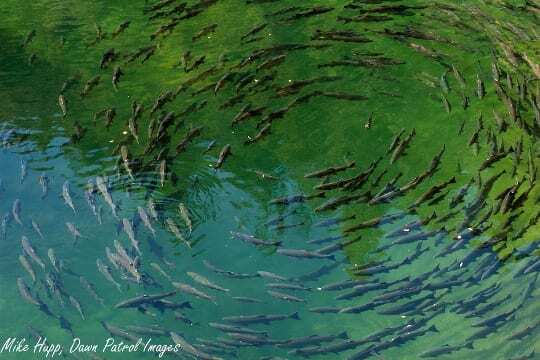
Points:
305	254
143	299
29	37
253	240
331	170
258	319
254	31
116	75
120	29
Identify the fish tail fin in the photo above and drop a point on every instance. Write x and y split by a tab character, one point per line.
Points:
343	335
469	345
434	328
295	316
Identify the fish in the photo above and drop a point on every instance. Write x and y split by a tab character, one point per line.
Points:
29	37
286	297
184	214
253	240
128	229
24	290
116	75
44	182
228	273
225	152
312	340
480	89
246	299
116	331
103	189
431	192
149	331
143	299
91	289
190	349
120	28
75	303
37	229
264	175
176	231
109	56
90	84
205	282
162	172
293	199
256	29
330	170
73	230
188	289
26	265
62	102
160	270
270	63
262	133
204	32
16	211
260	319
106	272
146	219
67	196
29	250
126	161
301	253
236	329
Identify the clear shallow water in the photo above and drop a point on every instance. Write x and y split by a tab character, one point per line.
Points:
312	135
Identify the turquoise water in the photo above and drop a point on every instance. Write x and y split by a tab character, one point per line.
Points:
340	91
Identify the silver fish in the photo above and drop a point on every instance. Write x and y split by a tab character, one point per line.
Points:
53	260
44	182
73	230
91	290
76	305
29	250
190	349
176	231
37	228
63	104
152	209
128	228
89	196
24	170
162	171
16	211
160	270
25	292
112	257
5	222
67	196
146	220
106	272
184	214
26	265
192	291
102	187
125	158
205	282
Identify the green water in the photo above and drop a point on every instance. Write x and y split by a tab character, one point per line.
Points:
396	81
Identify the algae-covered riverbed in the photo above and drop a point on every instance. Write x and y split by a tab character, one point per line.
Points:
269	179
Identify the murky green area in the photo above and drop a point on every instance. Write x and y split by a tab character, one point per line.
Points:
414	237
